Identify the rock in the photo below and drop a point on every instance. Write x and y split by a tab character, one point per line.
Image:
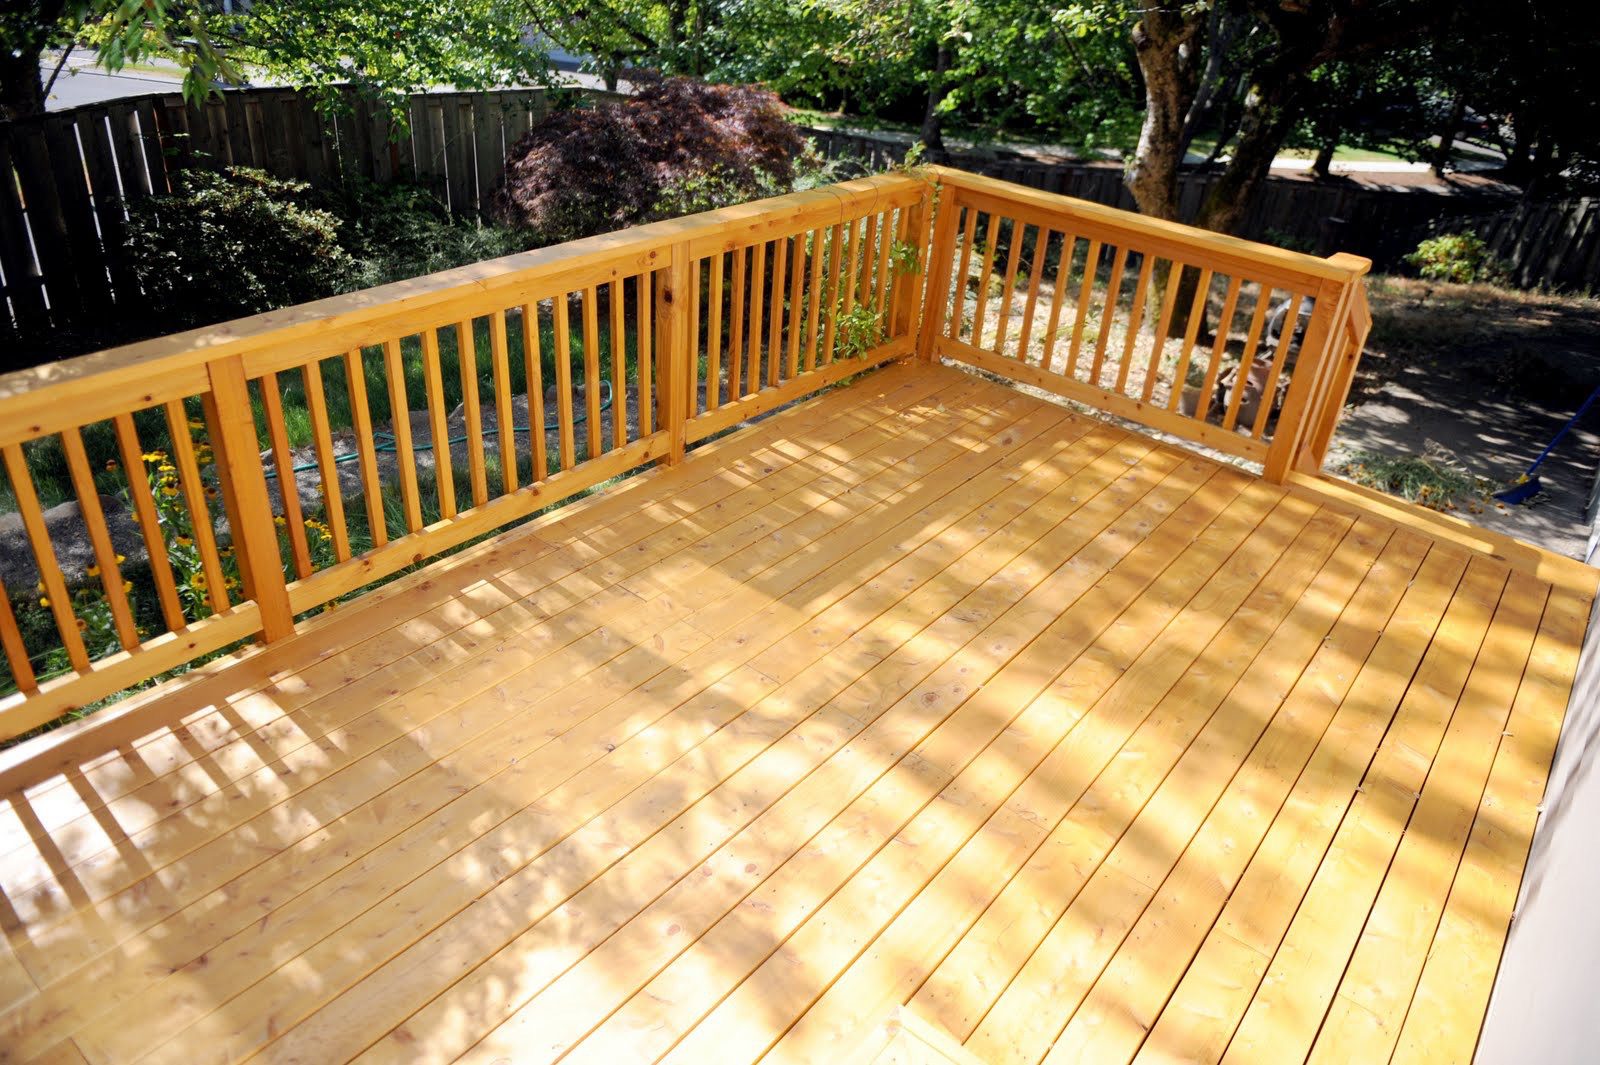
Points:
69	536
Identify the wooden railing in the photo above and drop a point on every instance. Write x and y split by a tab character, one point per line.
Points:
185	494
1163	324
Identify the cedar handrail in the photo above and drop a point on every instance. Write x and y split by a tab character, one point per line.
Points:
706	321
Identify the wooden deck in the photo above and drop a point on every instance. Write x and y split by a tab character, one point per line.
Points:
924	693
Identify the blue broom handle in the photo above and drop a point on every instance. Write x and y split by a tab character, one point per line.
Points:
1551	446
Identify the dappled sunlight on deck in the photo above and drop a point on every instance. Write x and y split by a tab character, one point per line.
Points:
926	714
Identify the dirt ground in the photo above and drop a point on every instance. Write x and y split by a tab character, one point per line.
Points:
1486	376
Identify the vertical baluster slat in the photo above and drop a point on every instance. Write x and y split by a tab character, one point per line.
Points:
533	367
1230	303
1008	286
288	483
814	298
1158	341
1108	314
692	401
591	372
44	554
985	271
194	496
327	461
758	273
736	306
105	555
797	255
144	509
1247	358
645	334
969	230
400	425
1141	290
1191	332
438	423
472	407
563	335
1091	269
505	419
619	366
775	310
1052	329
714	336
1041	245
16	652
355	377
1279	357
834	274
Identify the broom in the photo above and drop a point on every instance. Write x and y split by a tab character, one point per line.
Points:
1527	486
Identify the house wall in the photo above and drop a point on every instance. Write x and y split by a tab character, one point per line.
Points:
1546	1002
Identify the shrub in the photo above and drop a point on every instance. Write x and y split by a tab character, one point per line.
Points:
230	243
1458	257
401	231
677	145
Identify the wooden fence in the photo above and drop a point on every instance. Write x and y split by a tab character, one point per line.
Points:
66	178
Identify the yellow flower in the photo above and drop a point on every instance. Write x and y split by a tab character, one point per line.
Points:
280	521
166	467
198	580
93	571
44	600
195	423
168	491
121	559
39	587
127	586
182	541
155	456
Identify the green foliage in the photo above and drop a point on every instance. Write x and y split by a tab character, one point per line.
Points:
859	331
401	231
1432	480
905	258
677	145
233	243
1457	257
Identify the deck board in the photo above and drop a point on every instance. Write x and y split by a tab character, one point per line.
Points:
925	700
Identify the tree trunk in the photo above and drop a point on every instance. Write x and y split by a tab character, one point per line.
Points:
1447	135
933	117
1165	41
21	84
1269	113
1222	29
1322	165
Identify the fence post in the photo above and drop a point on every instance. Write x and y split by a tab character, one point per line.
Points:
244	495
675	364
938	254
1314	370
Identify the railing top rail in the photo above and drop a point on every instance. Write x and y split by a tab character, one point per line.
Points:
1203	242
45	399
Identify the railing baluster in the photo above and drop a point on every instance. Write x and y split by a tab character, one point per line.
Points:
1030	306
591	373
1108	313
775	311
968	234
288	482
438	423
714	336
327	461
832	294
1280	354
647	360
194	495
676	367
797	253
568	446
736	304
355	377
814	308
471	407
144	509
1091	268
1197	313
1130	343
44	555
533	366
1158	340
405	455
16	652
1230	304
505	420
1058	292
94	520
619	367
1252	341
984	273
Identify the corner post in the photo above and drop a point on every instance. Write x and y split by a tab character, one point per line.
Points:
1314	371
244	495
935	293
675	364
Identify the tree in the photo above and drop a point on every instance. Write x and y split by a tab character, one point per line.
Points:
386	48
1294	40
